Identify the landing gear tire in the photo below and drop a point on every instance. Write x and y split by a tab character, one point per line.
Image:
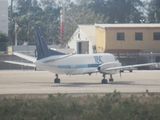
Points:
56	80
111	80
130	70
104	81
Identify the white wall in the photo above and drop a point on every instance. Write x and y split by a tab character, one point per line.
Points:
75	38
4	16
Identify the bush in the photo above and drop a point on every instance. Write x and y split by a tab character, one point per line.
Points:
112	106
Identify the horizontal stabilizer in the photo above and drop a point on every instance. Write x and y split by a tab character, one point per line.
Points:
54	52
61	57
21	63
26	57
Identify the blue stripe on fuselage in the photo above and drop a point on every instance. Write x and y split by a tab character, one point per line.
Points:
78	66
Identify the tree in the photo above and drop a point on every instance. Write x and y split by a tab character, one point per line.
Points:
46	14
154	11
25	14
80	14
3	41
122	11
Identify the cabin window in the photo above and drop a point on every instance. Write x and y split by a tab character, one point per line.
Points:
120	36
156	35
139	36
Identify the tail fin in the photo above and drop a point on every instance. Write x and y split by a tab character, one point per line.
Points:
41	46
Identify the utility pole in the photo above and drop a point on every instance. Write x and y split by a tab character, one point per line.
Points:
11	9
11	22
16	31
29	12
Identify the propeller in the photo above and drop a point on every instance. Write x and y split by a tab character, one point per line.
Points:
120	71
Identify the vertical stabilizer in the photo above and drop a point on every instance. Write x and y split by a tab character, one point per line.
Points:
41	46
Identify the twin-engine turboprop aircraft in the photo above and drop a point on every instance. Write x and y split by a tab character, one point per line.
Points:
73	64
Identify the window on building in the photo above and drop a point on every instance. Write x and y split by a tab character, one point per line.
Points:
120	36
79	35
139	36
156	35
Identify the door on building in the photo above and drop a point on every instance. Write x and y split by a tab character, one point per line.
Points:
83	47
158	59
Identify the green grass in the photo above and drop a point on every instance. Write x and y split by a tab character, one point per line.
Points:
111	106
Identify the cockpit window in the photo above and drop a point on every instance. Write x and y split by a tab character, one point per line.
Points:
116	59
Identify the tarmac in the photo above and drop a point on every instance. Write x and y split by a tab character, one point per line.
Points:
42	82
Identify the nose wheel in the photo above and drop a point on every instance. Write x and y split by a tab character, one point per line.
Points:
104	80
56	80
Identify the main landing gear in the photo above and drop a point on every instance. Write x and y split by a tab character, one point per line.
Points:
104	80
56	80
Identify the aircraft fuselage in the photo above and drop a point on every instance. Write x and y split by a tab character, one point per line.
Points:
78	63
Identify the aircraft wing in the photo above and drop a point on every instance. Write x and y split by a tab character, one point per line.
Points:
129	66
21	63
29	58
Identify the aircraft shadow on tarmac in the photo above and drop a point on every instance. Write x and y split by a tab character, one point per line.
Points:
83	84
131	83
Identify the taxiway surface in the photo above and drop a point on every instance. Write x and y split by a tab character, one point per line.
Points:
41	82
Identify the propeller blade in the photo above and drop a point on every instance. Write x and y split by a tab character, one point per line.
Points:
120	72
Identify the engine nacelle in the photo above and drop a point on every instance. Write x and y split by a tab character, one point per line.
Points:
108	65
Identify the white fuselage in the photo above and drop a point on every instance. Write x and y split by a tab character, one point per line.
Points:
78	63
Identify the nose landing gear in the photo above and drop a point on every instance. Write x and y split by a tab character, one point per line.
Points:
104	81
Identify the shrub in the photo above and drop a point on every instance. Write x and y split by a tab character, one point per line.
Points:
111	106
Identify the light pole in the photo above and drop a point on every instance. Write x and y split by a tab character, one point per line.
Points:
16	26
29	12
11	9
16	31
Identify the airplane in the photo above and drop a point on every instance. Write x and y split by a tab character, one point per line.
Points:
73	64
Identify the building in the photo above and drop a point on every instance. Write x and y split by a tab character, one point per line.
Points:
129	40
83	40
4	16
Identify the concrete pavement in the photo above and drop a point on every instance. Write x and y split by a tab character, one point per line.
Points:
42	82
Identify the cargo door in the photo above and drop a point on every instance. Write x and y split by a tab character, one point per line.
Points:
83	47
